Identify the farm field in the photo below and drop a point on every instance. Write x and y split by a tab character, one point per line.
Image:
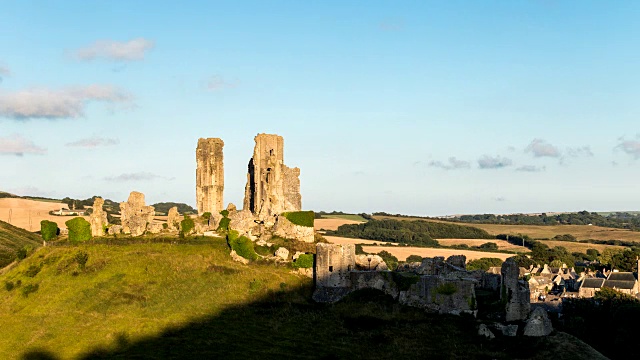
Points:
27	214
579	247
581	232
502	244
353	217
332	224
403	252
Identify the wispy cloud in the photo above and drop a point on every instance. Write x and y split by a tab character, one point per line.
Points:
4	71
531	168
451	164
59	104
630	147
30	191
500	199
541	148
94	142
580	151
131	50
18	146
139	176
217	83
489	162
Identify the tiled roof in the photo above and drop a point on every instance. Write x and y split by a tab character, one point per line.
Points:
622	276
619	284
595	283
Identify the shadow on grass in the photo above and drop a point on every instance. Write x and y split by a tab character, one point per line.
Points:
286	325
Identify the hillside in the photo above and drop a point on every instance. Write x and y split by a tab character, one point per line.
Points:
190	300
12	239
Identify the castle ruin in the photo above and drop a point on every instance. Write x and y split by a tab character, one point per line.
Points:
272	187
209	176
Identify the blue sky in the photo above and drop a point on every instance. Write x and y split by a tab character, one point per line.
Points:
416	107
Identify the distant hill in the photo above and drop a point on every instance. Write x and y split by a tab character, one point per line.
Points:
12	239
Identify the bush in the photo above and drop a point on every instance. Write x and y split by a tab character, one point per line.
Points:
29	289
304	261
81	258
301	218
224	213
8	285
32	271
483	264
206	216
489	246
414	258
224	224
49	230
243	246
187	225
21	253
79	230
390	260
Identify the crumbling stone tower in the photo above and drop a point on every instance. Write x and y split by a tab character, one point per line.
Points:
209	175
272	187
333	267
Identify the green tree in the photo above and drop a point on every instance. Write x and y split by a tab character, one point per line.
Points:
49	230
389	259
79	230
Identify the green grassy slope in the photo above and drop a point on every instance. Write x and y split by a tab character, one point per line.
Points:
192	301
12	239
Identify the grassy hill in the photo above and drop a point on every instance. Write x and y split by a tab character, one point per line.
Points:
190	300
12	239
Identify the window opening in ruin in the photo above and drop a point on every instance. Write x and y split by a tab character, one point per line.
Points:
330	268
349	267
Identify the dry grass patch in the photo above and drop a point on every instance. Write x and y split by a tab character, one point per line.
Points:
579	247
332	224
502	244
403	252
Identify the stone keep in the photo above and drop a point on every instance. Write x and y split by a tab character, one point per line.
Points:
209	176
134	215
333	267
272	187
98	218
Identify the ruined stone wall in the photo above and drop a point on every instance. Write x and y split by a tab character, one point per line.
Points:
209	175
98	218
445	296
334	264
272	188
135	215
514	292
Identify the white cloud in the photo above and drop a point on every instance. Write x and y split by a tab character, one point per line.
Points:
139	176
540	148
115	50
94	142
631	147
58	104
580	151
18	146
488	162
531	168
216	83
452	164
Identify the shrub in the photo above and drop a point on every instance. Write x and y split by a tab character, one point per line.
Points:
79	230
32	271
304	261
483	263
21	253
301	218
390	260
187	225
489	246
206	216
404	280
165	226
29	289
265	250
81	258
414	258
243	246
49	230
224	213
8	285
224	224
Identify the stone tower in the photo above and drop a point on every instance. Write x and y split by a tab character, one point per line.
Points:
272	187
209	176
